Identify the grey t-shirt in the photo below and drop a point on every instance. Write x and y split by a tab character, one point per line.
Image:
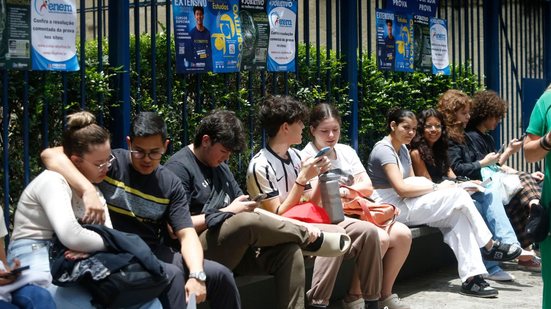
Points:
382	154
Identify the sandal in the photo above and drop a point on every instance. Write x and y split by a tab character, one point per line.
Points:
502	252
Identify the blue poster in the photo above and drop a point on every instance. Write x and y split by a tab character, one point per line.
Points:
207	36
385	40
404	43
53	35
415	7
282	17
439	46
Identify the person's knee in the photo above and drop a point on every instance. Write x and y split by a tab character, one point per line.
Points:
32	296
400	235
218	272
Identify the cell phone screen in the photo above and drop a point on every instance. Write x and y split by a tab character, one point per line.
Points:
323	151
259	197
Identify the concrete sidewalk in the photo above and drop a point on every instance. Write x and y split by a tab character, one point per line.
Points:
440	289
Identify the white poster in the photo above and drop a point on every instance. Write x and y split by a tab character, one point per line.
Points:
439	46
53	35
282	18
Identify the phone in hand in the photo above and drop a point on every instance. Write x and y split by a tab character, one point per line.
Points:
486	182
14	272
502	149
259	197
522	136
322	151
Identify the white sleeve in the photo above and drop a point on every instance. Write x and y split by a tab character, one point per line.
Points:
54	195
261	178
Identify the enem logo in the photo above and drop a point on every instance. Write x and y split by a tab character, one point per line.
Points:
49	6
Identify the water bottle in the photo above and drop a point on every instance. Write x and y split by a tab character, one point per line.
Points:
330	196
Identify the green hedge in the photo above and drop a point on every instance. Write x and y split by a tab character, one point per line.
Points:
378	90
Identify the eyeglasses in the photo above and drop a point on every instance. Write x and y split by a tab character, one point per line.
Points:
104	165
140	154
433	127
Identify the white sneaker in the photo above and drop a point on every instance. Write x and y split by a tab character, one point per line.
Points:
393	302
500	276
357	304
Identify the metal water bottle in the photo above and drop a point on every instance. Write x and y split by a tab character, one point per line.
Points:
330	196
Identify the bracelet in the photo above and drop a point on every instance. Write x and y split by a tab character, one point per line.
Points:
301	185
544	144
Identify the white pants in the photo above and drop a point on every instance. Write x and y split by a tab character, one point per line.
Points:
454	213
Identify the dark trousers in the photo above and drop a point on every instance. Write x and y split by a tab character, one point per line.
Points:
221	289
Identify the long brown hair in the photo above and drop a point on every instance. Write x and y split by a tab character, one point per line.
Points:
449	104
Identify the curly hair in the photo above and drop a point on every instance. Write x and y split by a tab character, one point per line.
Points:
222	126
486	104
277	110
437	155
449	104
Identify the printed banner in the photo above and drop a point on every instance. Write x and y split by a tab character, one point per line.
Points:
439	46
53	28
207	36
385	40
15	34
282	17
418	7
404	43
256	33
422	53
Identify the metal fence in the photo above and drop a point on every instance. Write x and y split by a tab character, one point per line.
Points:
505	42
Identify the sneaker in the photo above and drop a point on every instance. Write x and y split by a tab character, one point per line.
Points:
357	304
478	287
501	252
501	275
533	264
329	245
393	302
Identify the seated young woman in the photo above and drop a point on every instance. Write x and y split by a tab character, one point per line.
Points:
429	157
444	205
278	171
325	128
49	206
470	152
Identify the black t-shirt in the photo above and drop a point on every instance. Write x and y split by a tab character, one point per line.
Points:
143	204
206	187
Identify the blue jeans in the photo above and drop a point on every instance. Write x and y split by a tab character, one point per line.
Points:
35	253
491	208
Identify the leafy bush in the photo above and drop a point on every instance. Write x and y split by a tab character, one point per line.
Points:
195	95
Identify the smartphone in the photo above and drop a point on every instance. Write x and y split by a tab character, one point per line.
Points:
323	151
522	136
15	272
486	182
259	197
502	149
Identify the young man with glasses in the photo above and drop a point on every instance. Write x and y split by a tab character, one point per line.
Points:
146	199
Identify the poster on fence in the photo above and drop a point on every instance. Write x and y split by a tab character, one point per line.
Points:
422	53
15	34
385	40
439	46
404	43
207	36
53	35
256	33
282	17
419	7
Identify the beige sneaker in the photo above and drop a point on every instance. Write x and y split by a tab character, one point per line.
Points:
357	304
393	302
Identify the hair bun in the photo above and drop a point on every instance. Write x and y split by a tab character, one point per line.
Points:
80	120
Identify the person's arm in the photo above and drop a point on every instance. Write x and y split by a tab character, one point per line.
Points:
533	151
462	167
419	166
192	252
513	147
404	189
55	160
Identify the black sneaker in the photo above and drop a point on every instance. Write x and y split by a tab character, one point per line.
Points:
501	252
478	287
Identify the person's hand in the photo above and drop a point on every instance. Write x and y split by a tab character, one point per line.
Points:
447	184
312	167
6	277
94	211
241	204
198	288
514	146
72	255
490	159
313	232
538	176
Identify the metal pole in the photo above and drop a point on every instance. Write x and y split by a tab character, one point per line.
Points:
349	17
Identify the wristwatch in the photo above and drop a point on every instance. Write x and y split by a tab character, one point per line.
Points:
198	275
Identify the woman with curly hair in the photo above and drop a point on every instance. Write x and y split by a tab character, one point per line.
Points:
429	156
470	152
